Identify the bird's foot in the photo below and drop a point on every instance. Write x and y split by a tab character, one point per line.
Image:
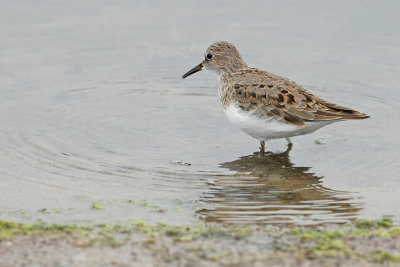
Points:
289	147
262	148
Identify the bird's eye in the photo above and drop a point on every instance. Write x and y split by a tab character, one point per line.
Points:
209	56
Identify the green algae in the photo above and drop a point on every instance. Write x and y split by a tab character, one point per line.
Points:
334	242
322	241
385	222
107	233
100	205
11	229
311	242
20	213
382	256
146	205
97	206
178	201
54	210
319	142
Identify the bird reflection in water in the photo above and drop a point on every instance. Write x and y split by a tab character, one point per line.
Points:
269	189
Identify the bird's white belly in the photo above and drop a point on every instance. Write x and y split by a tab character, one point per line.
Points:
271	128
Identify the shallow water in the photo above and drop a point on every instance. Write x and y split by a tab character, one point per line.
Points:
93	110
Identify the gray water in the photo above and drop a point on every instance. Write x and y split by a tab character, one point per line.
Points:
94	110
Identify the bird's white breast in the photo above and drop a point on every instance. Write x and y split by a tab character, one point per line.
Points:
268	128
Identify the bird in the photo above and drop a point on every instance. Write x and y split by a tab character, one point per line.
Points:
265	105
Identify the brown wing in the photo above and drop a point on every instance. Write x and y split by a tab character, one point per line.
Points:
268	95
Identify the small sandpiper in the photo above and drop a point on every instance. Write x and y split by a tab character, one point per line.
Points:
264	105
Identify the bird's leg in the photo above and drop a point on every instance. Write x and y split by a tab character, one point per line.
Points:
289	145
262	148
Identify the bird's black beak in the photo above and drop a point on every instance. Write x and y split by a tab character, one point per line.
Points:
194	70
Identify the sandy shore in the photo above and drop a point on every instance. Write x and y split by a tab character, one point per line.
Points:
364	243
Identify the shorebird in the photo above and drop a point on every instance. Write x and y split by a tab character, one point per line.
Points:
264	105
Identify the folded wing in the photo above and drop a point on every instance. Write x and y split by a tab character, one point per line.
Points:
278	98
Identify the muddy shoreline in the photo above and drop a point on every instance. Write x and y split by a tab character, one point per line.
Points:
136	243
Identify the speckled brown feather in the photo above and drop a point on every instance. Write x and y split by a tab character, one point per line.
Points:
268	95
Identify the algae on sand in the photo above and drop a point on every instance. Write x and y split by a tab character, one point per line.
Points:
341	242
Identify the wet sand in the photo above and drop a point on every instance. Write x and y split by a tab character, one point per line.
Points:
138	244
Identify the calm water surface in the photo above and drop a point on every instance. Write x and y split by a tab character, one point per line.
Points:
93	110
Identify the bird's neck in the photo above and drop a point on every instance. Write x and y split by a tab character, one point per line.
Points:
224	88
235	65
